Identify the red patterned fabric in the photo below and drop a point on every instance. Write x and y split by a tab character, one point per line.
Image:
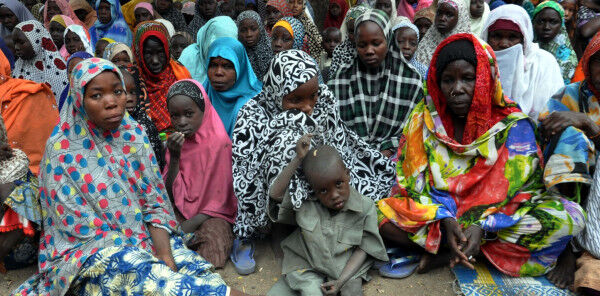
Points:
331	21
592	48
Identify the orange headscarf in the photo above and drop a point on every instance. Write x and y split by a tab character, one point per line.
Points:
29	112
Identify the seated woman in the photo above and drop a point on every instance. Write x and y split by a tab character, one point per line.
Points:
231	82
77	39
110	24
253	36
551	33
159	71
118	53
471	170
379	89
291	104
143	11
115	227
56	28
529	74
199	161
287	33
345	52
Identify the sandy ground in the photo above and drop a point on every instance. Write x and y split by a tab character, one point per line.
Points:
438	282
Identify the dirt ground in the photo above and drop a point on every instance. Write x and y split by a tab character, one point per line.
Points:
438	282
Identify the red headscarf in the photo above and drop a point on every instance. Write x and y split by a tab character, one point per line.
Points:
280	5
489	105
592	48
336	21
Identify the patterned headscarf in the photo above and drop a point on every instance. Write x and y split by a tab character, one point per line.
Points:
345	52
47	65
280	5
427	13
265	136
84	36
260	55
19	10
592	48
378	17
297	30
65	9
190	90
113	49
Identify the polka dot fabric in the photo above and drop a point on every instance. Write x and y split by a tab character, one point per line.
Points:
47	65
99	189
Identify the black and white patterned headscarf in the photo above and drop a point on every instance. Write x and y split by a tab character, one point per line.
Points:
261	53
265	137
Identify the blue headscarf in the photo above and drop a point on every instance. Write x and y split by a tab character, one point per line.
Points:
63	96
7	53
246	86
117	29
298	29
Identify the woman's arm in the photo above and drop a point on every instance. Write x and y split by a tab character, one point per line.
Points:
161	242
282	181
190	225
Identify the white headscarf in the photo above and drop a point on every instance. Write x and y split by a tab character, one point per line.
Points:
168	25
529	76
477	23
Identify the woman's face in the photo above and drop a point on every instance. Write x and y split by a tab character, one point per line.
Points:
100	46
503	39
371	44
53	10
121	59
457	83
186	116
221	73
207	8
408	41
281	40
178	44
570	7
163	5
547	24
476	8
56	32
104	101
423	25
594	66
248	33
303	98
154	55
446	18
132	91
73	43
23	48
385	6
296	7
142	15
104	14
273	15
7	18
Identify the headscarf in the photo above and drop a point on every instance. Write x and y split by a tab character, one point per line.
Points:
117	29
188	8
63	96
280	5
331	21
204	164
19	10
265	137
7	53
145	5
47	66
405	9
64	21
433	37
174	16
477	23
529	75
405	23
92	179
22	102
113	49
157	85
91	16
261	54
168	26
194	57
297	30
84	36
592	48
560	47
313	41
37	12
65	9
128	11
345	52
229	103
426	12
375	103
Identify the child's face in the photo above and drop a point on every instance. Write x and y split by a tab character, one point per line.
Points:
331	40
423	24
332	189
273	15
100	46
178	44
385	6
248	32
476	9
407	40
281	40
132	92
186	116
570	8
334	9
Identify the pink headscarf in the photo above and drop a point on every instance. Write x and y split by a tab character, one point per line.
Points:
406	9
423	4
65	9
145	5
204	184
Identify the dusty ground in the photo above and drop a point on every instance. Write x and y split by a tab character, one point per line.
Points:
438	282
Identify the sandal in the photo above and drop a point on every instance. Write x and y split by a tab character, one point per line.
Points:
242	256
399	268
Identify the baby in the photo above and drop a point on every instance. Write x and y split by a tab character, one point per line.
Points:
337	238
332	36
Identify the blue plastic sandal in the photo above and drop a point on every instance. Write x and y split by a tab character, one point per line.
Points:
399	268
242	256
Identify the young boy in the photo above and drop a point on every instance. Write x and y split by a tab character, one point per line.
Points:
332	36
337	238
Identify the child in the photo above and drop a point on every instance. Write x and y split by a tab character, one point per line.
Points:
337	238
406	36
332	36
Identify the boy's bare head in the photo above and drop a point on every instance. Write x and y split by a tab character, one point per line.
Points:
332	36
328	176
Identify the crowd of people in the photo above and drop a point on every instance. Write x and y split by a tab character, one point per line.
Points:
144	144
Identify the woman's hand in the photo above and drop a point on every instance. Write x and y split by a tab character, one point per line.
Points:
456	241
557	122
174	143
168	259
331	288
473	234
303	146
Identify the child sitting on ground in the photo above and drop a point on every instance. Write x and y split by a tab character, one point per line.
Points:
337	238
332	36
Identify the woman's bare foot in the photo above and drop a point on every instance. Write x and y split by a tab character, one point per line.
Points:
563	273
430	261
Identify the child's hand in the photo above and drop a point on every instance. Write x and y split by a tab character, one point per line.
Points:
174	143
331	288
303	146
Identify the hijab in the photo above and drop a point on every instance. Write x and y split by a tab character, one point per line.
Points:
194	57
63	96
47	65
295	28
91	16
433	37
336	21
261	54
477	23
427	12
116	29
345	52
65	9
168	26
405	23
64	21
406	9
83	35
204	184
228	103
19	10
313	40
113	49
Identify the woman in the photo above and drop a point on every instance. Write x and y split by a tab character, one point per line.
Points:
345	52
188	10
379	89
110	23
231	82
123	251
288	33
84	12
424	19
167	11
529	74
336	14
452	17
253	36
471	170
57	27
194	57
14	12
206	10
198	162
265	136
39	59
551	34
59	7
143	11
118	53
313	36
159	71
77	39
